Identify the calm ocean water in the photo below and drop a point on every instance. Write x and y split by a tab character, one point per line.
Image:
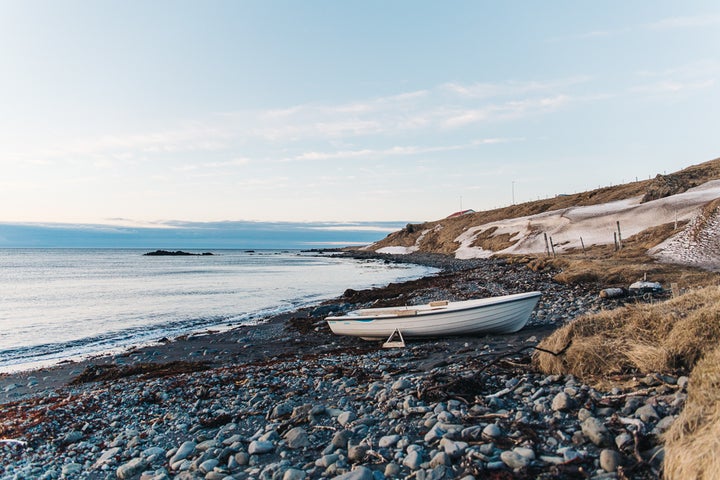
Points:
58	304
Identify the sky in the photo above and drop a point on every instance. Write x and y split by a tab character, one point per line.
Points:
143	114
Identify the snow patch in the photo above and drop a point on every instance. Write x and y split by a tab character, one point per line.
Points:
407	250
595	224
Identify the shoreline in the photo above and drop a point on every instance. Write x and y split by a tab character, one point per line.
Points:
90	353
247	344
289	399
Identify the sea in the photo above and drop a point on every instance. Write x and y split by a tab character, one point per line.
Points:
66	304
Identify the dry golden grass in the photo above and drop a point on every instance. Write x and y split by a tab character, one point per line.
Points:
692	444
664	337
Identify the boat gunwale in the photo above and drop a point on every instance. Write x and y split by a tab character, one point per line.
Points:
502	299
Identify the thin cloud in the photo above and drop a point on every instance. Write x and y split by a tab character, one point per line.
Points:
690	77
237	162
396	150
507	111
672	87
490	90
606	33
695	21
670	23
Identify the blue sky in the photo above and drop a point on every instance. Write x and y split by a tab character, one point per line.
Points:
138	113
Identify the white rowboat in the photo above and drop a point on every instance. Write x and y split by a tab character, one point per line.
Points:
505	314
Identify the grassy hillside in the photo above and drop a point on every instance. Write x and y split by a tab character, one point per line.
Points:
442	233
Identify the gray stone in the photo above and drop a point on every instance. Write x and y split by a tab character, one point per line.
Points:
71	469
402	384
610	460
341	438
282	410
664	424
491	431
242	458
131	468
327	460
584	414
413	459
346	417
441	458
209	476
107	457
72	437
208	465
514	460
356	453
297	438
570	454
562	402
388	441
359	473
153	452
392	470
436	432
526	452
596	432
646	413
294	474
452	448
496	465
623	440
269	436
206	445
184	451
259	447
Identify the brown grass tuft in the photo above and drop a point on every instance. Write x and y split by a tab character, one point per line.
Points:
639	338
692	444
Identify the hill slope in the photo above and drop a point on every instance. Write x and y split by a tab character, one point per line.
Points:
676	216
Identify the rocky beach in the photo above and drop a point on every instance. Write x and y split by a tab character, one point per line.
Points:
289	400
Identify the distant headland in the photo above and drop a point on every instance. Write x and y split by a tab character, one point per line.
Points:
177	253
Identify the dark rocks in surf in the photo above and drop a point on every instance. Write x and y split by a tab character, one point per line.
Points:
177	253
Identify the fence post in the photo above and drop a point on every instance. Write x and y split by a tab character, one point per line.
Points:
619	237
547	247
552	245
583	246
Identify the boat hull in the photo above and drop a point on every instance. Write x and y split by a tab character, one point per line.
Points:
505	314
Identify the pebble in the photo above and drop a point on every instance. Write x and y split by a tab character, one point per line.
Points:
596	431
297	438
491	431
360	473
561	402
259	447
514	460
183	451
647	413
413	459
610	460
131	468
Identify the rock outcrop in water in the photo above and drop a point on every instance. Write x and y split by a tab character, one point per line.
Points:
176	253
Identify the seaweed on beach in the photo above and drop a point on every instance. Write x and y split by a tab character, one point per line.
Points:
98	373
